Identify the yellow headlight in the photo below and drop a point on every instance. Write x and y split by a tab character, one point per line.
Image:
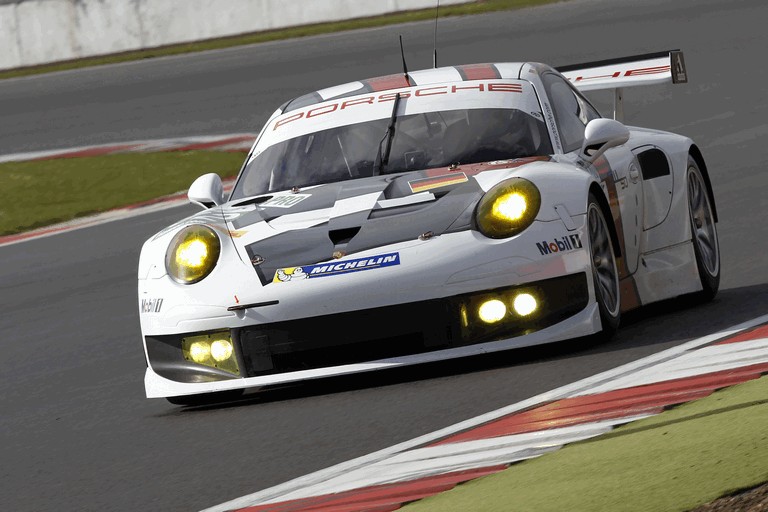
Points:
525	304
492	311
508	208
192	254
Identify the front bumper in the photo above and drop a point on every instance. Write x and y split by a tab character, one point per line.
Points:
384	337
375	319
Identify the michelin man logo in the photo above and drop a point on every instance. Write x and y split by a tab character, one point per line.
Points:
286	274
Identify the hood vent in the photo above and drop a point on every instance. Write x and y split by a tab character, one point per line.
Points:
253	200
342	236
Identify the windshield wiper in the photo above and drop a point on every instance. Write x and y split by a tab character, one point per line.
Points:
382	156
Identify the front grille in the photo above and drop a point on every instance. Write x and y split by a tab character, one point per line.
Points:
400	330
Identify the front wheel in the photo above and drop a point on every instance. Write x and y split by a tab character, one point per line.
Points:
704	234
605	273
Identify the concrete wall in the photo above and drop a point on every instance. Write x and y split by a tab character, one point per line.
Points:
40	31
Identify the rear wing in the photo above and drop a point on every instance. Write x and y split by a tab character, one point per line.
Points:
616	74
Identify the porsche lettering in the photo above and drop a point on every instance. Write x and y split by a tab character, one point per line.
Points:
390	96
653	70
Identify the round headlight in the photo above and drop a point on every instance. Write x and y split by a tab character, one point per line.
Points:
508	208
192	254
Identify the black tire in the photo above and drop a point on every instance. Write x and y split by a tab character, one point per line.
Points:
218	397
605	273
703	231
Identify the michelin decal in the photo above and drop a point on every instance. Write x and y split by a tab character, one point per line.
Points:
284	275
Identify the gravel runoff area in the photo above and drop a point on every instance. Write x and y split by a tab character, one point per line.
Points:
752	500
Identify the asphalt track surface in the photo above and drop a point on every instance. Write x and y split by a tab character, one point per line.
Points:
76	432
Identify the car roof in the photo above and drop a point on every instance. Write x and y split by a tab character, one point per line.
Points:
466	72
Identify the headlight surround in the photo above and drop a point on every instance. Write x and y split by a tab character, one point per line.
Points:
508	208
192	254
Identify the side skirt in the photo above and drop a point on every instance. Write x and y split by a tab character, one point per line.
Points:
667	273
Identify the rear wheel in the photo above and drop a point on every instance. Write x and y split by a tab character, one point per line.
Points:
704	234
605	273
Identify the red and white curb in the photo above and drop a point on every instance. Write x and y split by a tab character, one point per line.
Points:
229	142
434	463
238	142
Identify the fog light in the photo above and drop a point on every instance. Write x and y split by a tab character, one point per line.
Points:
221	350
524	304
214	350
199	351
492	311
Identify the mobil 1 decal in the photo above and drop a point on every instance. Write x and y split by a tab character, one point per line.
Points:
560	244
151	305
333	269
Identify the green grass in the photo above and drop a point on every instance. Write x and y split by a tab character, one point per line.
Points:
675	461
478	7
38	193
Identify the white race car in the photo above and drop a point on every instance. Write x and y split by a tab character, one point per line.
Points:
425	216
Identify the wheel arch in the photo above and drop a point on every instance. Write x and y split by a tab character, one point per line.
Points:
695	153
602	201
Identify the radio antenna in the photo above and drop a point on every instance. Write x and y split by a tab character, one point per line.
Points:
405	66
437	13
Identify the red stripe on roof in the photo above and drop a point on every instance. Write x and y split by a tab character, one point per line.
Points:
385	83
648	399
753	334
479	71
379	498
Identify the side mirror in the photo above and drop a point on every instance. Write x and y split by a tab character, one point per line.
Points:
206	191
601	135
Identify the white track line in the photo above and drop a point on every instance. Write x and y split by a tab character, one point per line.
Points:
318	480
142	146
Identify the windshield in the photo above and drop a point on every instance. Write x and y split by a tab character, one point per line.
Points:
420	141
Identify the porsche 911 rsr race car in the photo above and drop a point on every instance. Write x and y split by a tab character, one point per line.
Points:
426	216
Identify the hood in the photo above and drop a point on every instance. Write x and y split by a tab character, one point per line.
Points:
325	222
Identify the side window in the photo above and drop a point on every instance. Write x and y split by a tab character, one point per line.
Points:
572	112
